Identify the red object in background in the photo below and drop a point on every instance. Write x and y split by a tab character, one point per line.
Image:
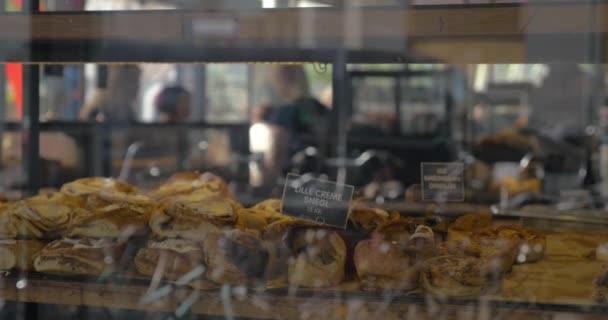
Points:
14	77
18	3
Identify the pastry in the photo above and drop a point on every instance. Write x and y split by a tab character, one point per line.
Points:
19	254
532	243
318	257
251	219
87	186
180	217
177	260
498	253
396	270
466	224
111	215
181	183
234	257
270	209
457	276
42	219
422	244
84	256
367	219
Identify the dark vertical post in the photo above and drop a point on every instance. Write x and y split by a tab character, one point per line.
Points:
31	131
31	126
340	112
31	111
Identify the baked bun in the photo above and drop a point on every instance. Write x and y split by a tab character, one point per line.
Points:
194	220
112	215
367	219
498	253
87	186
188	182
318	257
234	257
466	224
532	243
19	254
84	256
455	276
384	265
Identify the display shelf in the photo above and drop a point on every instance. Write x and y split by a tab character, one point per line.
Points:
454	34
271	304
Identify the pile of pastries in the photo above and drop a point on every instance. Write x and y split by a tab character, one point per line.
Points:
194	232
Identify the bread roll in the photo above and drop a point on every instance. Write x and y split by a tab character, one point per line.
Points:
498	253
318	257
454	276
171	258
396	270
194	220
19	254
85	256
234	257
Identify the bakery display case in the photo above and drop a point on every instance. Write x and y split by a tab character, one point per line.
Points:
303	160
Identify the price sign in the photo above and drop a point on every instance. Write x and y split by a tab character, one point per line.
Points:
442	181
317	200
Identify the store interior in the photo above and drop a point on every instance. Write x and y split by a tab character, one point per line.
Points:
152	152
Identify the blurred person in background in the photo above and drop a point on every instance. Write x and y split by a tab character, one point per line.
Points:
558	106
173	104
297	113
114	101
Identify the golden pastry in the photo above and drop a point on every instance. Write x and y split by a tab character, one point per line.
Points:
111	215
84	256
194	220
367	219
